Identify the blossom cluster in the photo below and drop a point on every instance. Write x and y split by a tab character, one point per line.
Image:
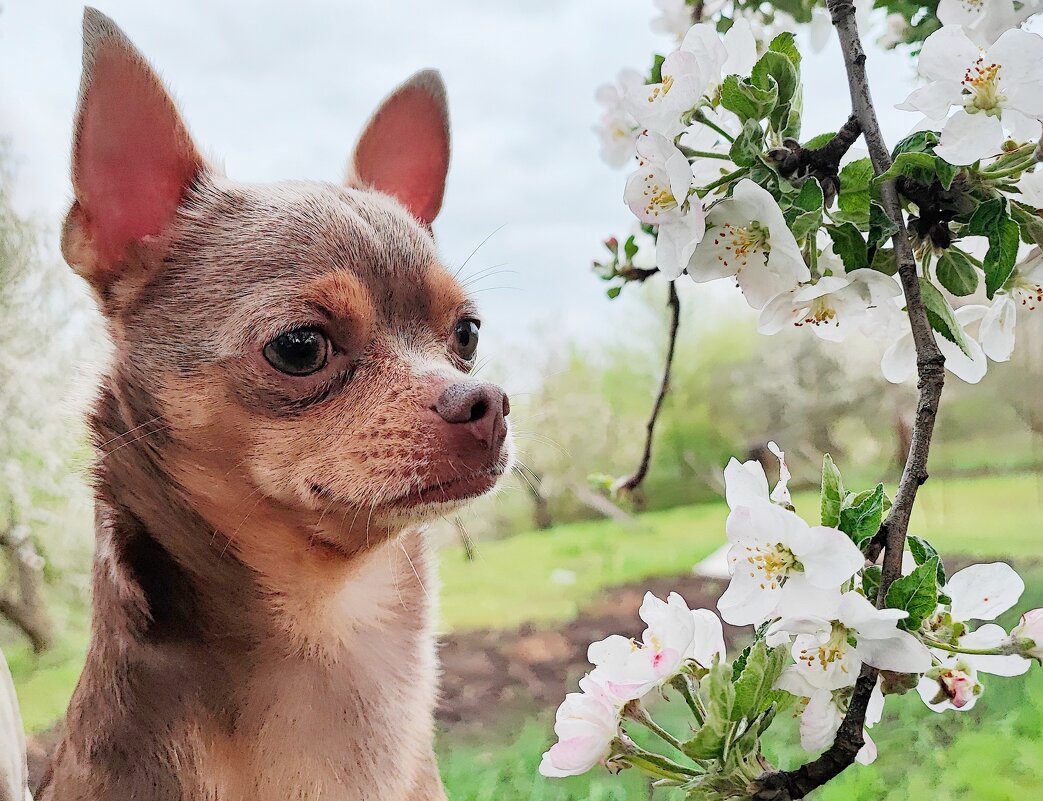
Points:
721	185
810	594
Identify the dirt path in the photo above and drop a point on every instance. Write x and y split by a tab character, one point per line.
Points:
487	672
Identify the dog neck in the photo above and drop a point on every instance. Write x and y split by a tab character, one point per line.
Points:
272	671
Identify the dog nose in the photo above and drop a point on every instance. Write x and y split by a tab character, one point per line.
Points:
480	407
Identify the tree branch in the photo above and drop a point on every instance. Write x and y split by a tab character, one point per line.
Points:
631	483
794	784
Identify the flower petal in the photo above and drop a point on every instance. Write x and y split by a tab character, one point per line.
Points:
981	592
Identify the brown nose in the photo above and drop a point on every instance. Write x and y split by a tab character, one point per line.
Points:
480	408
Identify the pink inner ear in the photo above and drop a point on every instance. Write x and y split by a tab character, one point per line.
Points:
133	157
405	152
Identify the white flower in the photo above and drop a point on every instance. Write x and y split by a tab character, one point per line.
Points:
658	194
699	136
997	88
617	129
985	20
825	709
1028	634
586	724
829	653
658	107
899	360
735	53
983	592
745	483
778	562
952	685
675	635
837	304
1024	288
747	237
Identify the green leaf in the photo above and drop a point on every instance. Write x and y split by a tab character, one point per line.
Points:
832	492
1029	222
613	292
776	69
871	581
630	248
785	43
957	273
1003	252
748	145
881	228
945	171
809	198
747	101
754	687
916	593
708	743
884	261
941	315
856	179
861	514
986	218
919	142
656	73
916	166
923	551
849	245
815	142
718	696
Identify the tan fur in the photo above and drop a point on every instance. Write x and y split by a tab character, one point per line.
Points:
263	601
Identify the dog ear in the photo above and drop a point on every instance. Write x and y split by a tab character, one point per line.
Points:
132	156
404	148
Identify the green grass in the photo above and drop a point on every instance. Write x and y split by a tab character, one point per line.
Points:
510	581
991	753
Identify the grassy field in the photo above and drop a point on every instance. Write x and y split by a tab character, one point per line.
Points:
511	583
511	580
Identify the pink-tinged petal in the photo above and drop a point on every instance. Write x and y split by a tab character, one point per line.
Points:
573	757
981	592
614	649
970	137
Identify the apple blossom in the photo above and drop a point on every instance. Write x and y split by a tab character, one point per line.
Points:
747	237
825	709
837	304
899	360
829	653
658	193
952	685
734	53
779	561
586	723
1027	636
675	635
746	483
996	89
985	20
659	106
676	16
617	129
1023	288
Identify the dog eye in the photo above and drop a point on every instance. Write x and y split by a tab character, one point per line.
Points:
302	351
465	339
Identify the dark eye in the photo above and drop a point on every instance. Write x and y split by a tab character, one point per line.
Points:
465	339
302	351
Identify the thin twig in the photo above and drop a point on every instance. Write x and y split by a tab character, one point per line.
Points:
794	784
631	483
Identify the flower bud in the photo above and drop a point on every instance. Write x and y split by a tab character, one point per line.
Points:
1027	636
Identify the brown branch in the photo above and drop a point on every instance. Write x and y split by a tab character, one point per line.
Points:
794	784
631	483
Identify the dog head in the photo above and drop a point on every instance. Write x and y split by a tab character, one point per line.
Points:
297	349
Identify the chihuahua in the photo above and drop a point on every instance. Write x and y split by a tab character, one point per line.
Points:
288	403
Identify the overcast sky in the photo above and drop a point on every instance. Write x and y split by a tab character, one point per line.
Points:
279	89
